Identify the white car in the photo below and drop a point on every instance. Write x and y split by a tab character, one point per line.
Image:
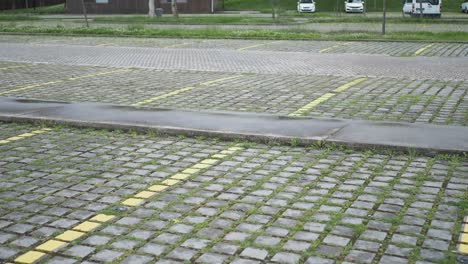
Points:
304	6
464	7
430	8
408	6
354	6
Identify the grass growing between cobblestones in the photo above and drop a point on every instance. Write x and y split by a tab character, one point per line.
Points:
140	30
263	202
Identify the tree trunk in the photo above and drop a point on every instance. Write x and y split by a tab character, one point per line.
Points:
151	8
26	5
384	21
175	12
85	12
13	4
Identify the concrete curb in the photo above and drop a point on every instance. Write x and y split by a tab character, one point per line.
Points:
355	134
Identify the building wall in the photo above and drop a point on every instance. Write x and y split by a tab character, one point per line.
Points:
17	4
137	6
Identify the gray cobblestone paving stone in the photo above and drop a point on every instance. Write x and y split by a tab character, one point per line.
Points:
243	213
235	61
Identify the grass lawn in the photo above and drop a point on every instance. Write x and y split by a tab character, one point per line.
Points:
193	20
285	19
140	30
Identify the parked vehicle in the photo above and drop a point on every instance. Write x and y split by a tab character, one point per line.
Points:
429	8
306	6
354	6
408	6
464	7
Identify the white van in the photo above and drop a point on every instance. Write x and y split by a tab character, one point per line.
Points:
408	6
429	8
306	6
464	7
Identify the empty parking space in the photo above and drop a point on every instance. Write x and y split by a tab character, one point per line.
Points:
386	99
221	202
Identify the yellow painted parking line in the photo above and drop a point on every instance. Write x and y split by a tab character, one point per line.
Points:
70	235
421	50
86	226
14	67
63	239
102	218
463	248
177	45
178	177
133	202
463	238
219	80
325	97
51	245
63	80
176	92
334	47
349	85
25	135
253	46
30	257
104	44
94	222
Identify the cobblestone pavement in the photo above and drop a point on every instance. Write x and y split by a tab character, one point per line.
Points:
238	203
321	27
401	49
391	99
241	61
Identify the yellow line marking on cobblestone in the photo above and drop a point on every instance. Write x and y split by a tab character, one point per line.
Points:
61	240
70	235
325	97
349	85
176	92
30	257
51	245
463	248
94	222
180	176
158	188
86	226
25	135
177	45
63	80
132	202
252	46
102	218
334	47
463	238
421	50
104	44
145	194
14	67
